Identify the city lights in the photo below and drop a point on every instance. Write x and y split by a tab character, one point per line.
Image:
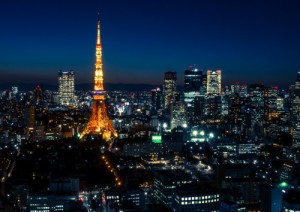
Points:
197	113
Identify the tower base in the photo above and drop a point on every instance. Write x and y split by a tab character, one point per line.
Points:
99	123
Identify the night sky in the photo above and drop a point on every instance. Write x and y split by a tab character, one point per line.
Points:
251	41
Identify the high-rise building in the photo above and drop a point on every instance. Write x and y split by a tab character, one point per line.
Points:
192	85
199	108
234	112
99	123
271	95
214	82
213	108
296	113
257	104
37	94
156	99
203	88
66	88
178	115
30	119
169	88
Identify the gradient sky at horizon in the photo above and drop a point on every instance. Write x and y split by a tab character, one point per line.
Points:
253	41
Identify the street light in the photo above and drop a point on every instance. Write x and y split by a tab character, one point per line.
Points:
195	133
165	125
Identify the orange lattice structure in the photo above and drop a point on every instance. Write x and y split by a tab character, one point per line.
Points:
99	123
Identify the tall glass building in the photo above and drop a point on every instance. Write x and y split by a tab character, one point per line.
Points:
169	89
192	85
296	113
214	82
66	89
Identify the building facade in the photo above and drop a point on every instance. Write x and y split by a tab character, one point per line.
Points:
192	85
169	89
214	82
66	88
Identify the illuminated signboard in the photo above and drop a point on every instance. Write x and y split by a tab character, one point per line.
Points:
156	139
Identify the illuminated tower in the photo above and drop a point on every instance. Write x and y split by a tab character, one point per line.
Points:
99	123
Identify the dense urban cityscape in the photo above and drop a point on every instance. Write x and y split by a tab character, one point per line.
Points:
203	146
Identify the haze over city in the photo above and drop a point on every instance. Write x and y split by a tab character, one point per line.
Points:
250	41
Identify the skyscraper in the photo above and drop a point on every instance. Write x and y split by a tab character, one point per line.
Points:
156	99
66	88
99	123
203	88
271	95
296	113
192	85
37	94
169	88
178	115
214	82
257	107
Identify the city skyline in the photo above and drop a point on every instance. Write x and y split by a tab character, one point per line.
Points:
249	41
130	136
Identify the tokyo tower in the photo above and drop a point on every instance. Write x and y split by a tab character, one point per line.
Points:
99	123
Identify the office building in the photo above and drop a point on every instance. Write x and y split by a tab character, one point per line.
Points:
214	82
156	100
271	199
192	85
296	113
195	198
66	88
257	107
165	182
178	115
271	94
203	88
169	89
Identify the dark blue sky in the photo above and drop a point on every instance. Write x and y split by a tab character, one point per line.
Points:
250	40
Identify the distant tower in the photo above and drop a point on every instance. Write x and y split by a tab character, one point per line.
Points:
214	82
192	84
169	88
99	123
66	88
